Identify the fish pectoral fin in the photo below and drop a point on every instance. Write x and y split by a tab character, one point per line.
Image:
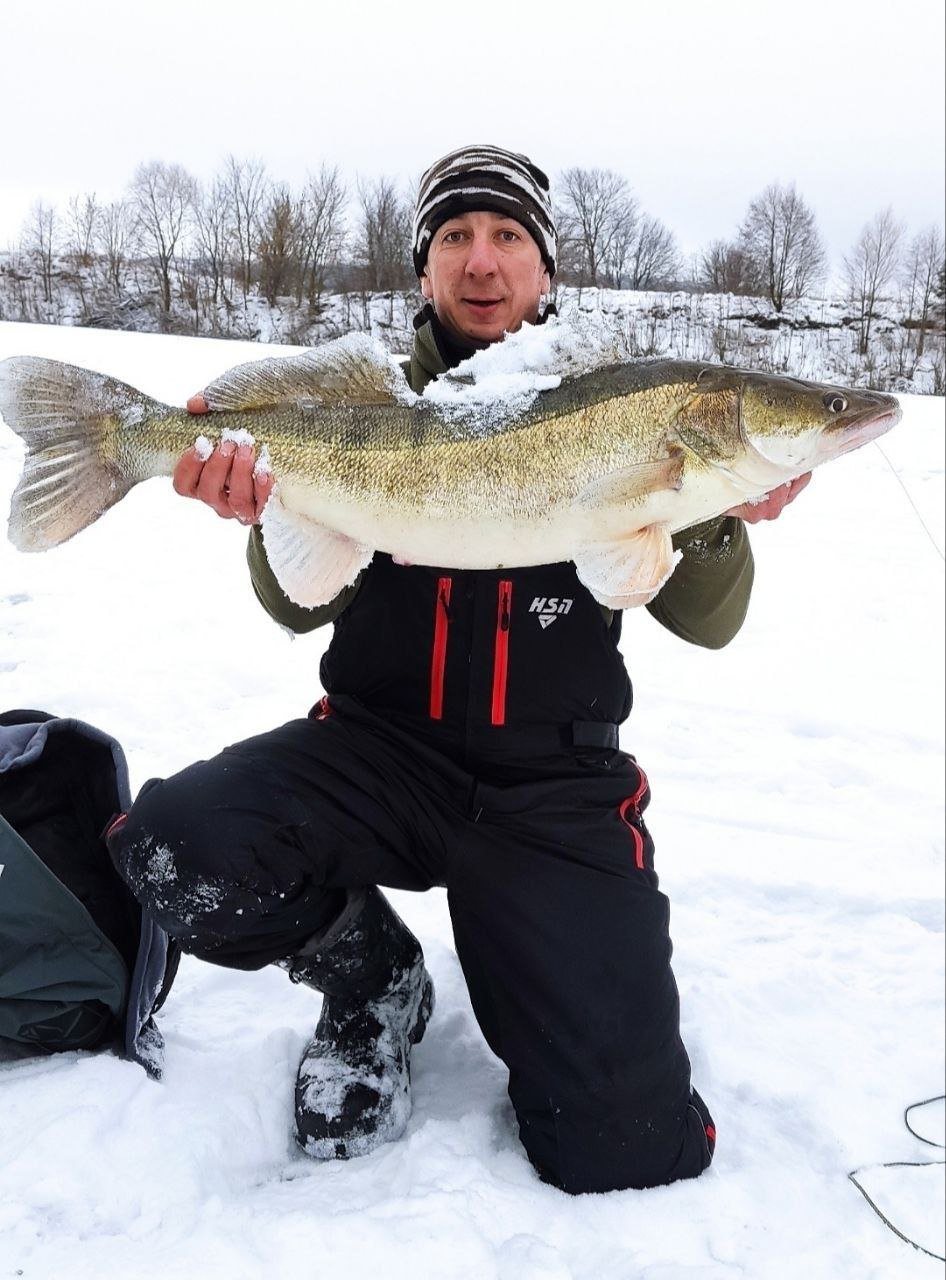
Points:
630	485
628	572
312	564
351	370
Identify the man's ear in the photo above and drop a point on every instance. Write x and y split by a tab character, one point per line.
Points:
425	288
546	282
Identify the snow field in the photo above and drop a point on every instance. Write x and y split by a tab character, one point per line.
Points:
798	791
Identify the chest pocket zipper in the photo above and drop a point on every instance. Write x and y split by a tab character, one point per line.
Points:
501	652
439	658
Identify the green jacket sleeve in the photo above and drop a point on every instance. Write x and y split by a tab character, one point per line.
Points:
707	596
281	609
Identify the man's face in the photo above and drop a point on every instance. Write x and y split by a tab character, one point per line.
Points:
484	275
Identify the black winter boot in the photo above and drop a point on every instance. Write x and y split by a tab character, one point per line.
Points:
353	1088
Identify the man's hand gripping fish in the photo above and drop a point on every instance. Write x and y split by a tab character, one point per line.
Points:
599	460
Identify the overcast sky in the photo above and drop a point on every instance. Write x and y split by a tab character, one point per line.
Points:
699	105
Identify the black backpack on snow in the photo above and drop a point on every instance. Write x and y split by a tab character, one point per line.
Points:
81	965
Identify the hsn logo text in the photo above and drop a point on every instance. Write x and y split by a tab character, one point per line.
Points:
549	608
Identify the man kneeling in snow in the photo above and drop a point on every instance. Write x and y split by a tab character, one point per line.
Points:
468	739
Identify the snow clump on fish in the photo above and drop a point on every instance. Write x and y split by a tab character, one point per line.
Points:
501	382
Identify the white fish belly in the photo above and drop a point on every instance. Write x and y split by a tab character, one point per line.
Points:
433	534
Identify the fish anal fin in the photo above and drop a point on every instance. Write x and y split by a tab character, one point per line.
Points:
352	370
632	484
312	564
630	571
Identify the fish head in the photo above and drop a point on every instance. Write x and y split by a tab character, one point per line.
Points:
794	425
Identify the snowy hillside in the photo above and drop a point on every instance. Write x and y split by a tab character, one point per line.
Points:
811	337
798	803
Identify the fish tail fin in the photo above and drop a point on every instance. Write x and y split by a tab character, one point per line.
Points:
71	421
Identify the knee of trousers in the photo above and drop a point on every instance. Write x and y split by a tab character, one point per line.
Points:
225	880
171	863
603	1145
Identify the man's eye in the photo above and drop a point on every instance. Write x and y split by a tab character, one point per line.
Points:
509	236
452	237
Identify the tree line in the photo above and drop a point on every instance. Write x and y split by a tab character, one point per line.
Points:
205	247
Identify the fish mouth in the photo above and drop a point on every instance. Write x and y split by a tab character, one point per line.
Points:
869	425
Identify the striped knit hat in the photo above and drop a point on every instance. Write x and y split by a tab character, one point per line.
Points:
487	178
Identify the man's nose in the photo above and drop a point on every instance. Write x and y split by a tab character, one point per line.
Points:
482	259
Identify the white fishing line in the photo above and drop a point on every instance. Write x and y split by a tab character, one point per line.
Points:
899	479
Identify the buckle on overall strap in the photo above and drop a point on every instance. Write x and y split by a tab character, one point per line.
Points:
594	733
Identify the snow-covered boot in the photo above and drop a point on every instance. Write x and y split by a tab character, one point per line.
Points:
353	1088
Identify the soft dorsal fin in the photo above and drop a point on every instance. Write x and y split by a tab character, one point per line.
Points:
351	370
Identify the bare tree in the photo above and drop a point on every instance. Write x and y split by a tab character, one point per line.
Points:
212	236
920	270
277	243
189	277
82	225
619	257
164	196
870	267
596	219
939	293
382	248
321	231
246	185
652	257
114	240
41	241
726	267
780	236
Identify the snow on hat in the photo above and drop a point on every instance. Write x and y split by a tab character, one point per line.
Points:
487	178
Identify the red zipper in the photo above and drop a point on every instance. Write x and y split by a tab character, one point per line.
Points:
114	825
501	658
633	805
439	659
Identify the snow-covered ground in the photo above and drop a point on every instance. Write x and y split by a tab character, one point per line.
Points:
798	816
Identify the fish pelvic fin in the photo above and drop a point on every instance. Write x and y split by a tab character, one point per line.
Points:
630	571
70	420
311	563
354	370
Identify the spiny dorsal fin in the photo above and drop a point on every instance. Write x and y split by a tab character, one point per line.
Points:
351	370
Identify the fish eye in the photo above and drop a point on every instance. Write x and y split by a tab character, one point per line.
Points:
835	403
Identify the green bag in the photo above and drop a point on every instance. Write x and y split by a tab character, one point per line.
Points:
81	965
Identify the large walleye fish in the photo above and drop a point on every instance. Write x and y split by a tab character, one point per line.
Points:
587	457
